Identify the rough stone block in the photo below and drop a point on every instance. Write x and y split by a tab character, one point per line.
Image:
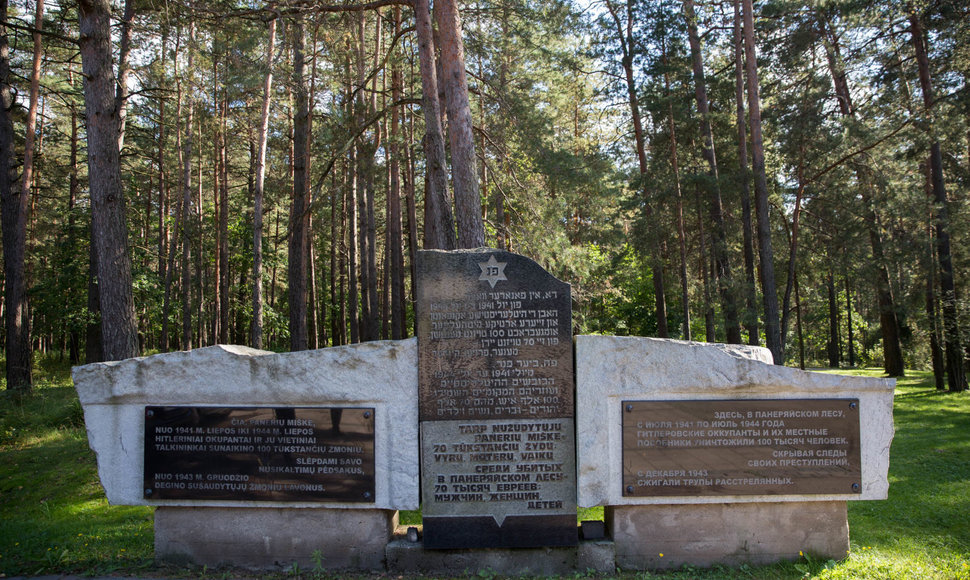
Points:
669	536
273	538
611	369
382	375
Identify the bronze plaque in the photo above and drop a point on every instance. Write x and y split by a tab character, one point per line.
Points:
306	454
741	447
495	385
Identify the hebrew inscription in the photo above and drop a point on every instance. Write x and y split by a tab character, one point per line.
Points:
741	447
496	401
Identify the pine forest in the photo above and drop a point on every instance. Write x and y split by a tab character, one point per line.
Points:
792	174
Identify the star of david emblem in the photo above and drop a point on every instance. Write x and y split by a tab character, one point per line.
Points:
492	271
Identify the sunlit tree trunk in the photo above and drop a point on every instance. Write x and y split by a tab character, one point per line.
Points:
955	371
468	212
625	36
256	331
439	226
770	296
721	260
750	318
118	327
297	263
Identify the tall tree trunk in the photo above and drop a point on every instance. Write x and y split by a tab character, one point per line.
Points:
74	189
256	331
798	326
297	266
709	331
888	320
93	351
313	323
118	327
625	36
162	175
832	347
468	205
721	259
223	267
187	233
770	295
750	287
848	322
792	258
335	245
936	351
681	233
955	370
14	221
394	241
124	70
439	226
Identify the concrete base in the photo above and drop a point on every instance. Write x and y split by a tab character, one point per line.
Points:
271	538
404	557
597	556
669	536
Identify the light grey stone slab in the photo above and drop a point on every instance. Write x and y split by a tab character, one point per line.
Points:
612	369
277	538
382	375
669	536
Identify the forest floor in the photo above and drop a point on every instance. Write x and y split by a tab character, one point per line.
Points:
55	520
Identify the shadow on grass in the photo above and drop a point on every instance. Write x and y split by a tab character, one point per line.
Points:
53	513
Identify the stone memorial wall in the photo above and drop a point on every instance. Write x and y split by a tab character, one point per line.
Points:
495	383
705	453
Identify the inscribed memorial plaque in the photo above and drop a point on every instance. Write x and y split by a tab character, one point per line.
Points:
495	383
741	447
260	453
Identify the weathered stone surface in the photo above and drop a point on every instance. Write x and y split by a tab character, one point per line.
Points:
404	557
496	401
611	369
596	556
382	375
669	536
273	538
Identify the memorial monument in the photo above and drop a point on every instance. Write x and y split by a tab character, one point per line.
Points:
705	453
495	387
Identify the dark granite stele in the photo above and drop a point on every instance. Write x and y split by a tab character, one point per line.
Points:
496	402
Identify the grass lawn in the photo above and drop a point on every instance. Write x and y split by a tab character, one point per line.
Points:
54	518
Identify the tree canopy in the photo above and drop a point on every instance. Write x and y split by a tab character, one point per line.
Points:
787	173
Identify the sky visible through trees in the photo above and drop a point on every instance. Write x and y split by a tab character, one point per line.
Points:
792	174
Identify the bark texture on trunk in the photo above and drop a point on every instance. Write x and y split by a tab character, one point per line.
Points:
256	330
716	207
14	222
297	261
955	370
468	205
118	327
768	288
439	221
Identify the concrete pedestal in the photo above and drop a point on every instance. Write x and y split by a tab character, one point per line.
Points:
274	538
405	557
728	534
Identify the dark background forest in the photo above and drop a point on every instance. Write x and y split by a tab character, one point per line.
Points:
792	174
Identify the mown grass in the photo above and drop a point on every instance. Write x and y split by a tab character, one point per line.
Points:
54	518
